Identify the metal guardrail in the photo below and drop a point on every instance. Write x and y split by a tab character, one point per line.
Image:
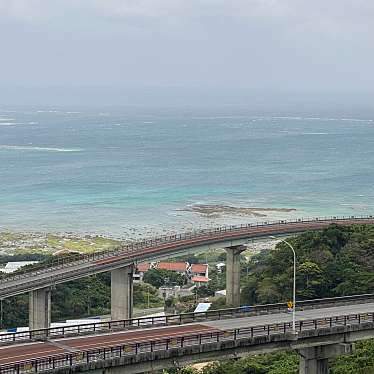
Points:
173	319
72	261
128	349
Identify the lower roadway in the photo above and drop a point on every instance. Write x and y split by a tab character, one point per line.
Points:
29	351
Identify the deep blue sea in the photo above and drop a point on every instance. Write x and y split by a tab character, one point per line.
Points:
121	172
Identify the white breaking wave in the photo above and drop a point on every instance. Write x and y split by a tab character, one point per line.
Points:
314	133
48	111
318	118
2	119
11	123
356	120
43	149
287	117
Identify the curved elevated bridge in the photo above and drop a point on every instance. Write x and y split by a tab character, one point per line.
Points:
65	270
120	262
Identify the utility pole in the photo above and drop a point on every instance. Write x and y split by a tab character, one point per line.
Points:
294	282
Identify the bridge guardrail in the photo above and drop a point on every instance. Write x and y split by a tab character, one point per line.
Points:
173	319
150	243
83	357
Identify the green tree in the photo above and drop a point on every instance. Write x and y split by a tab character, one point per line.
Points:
336	261
311	279
160	277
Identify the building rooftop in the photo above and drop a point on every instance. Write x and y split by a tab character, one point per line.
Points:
199	279
143	267
199	268
173	266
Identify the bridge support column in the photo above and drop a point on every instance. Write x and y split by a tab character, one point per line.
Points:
122	293
40	309
315	360
233	274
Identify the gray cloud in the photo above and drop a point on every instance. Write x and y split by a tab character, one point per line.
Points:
274	45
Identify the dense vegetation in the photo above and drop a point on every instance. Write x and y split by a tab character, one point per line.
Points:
334	262
161	277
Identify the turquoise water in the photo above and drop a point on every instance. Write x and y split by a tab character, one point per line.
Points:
111	172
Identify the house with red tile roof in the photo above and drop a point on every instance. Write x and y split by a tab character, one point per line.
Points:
200	281
143	267
179	267
197	271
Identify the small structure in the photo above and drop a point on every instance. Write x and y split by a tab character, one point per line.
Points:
202	307
196	273
220	293
141	269
200	270
11	267
220	266
200	281
179	267
176	291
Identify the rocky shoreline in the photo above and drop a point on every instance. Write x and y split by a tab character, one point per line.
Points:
218	210
194	217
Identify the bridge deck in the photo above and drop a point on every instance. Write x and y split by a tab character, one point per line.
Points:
33	351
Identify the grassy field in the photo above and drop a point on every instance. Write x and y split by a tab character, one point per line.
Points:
17	243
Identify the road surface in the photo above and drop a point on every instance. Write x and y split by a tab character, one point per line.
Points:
29	351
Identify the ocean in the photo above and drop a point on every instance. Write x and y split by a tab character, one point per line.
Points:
127	173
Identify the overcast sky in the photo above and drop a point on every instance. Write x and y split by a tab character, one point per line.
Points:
314	46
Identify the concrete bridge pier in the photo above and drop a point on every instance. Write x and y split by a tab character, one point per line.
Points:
40	309
122	292
315	360
233	274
